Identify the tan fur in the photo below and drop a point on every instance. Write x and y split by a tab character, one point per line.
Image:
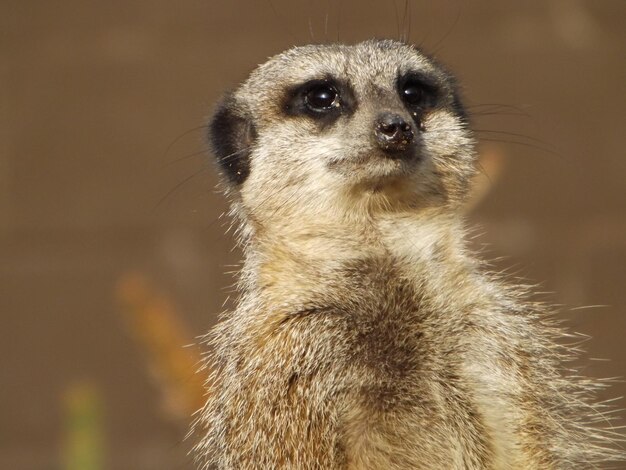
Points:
367	336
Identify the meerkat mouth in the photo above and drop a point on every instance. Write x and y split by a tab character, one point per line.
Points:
376	167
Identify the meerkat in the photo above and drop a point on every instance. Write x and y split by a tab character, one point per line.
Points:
367	335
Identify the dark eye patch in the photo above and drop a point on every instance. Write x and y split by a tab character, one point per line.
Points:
323	100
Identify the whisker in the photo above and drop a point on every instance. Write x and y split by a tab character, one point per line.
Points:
395	9
282	21
405	21
311	33
184	157
495	113
177	139
522	144
410	18
435	48
339	5
326	21
515	134
231	155
498	106
176	188
482	170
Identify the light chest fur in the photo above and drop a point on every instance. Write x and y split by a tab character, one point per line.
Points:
394	356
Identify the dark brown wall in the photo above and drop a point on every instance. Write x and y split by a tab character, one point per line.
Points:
95	100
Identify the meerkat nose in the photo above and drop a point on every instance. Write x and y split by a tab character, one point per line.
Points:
392	132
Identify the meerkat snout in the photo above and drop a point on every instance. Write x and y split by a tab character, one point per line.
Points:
393	134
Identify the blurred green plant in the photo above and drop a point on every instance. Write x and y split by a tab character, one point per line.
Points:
83	443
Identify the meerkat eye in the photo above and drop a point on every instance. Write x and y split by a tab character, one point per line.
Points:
412	93
417	91
321	97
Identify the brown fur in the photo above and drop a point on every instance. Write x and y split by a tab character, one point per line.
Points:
366	335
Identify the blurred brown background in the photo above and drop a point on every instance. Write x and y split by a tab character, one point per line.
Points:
100	179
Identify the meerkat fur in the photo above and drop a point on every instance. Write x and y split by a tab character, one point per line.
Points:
367	335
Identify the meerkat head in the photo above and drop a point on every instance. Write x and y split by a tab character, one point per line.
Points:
325	129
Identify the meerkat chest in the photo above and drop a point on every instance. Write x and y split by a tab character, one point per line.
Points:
405	402
383	366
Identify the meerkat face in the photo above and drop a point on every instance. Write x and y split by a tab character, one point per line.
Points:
319	126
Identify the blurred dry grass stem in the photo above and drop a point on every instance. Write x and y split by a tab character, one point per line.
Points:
162	334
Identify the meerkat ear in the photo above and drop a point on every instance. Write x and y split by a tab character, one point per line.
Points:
232	134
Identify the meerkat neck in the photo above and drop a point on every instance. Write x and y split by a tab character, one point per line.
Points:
294	257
